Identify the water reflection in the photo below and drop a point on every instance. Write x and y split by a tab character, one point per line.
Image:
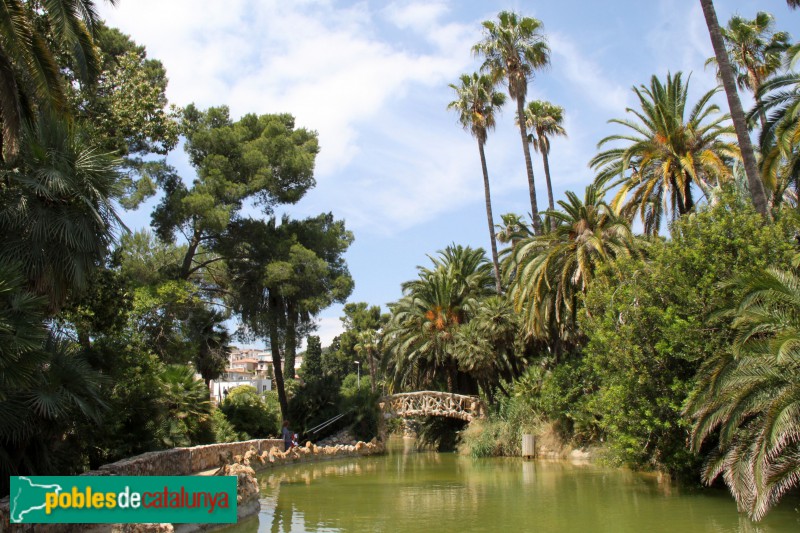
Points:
407	491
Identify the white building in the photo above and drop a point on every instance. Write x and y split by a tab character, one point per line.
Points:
234	378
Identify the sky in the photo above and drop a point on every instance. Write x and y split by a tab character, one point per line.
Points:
372	79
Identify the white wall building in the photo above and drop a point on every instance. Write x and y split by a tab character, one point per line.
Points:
235	378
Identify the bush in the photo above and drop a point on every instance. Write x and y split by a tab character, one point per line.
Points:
362	404
500	434
248	412
650	326
316	401
224	430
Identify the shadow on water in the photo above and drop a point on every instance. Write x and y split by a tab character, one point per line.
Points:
410	491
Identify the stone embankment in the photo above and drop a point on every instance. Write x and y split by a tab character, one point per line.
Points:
240	459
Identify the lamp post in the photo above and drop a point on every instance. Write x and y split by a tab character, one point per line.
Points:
358	376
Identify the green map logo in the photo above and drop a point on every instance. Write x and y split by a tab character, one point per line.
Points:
123	499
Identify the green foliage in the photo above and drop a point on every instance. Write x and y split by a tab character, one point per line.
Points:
651	325
315	402
362	405
500	434
419	337
251	413
747	403
261	159
548	273
312	362
224	430
32	39
187	407
666	152
57	216
284	274
40	413
359	319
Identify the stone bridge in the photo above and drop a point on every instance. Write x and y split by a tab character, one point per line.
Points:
432	403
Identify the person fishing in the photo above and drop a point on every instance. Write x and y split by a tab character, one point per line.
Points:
288	436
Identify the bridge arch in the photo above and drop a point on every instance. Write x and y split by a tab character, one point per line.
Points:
433	403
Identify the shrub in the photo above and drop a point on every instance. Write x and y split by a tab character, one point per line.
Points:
248	412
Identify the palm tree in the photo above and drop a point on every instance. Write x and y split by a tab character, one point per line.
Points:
187	404
29	74
57	217
513	229
750	399
547	272
39	417
755	51
545	120
666	153
368	343
485	347
737	113
418	338
514	48
476	103
779	97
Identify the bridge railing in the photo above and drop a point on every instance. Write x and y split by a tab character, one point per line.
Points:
435	403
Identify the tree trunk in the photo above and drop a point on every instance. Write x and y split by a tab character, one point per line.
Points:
291	341
275	346
737	114
537	227
490	218
550	201
191	250
371	361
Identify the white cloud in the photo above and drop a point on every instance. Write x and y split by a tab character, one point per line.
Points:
328	328
415	15
571	63
332	69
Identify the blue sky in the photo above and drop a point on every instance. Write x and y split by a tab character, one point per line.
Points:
372	78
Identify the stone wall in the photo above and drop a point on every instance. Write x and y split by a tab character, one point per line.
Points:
184	461
174	462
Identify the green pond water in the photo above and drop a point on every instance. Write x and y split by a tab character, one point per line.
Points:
409	491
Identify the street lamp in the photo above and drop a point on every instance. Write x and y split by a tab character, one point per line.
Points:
358	378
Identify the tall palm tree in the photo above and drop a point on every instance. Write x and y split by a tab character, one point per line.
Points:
419	336
754	183
476	104
666	152
514	48
547	272
750	399
755	51
57	213
545	120
29	74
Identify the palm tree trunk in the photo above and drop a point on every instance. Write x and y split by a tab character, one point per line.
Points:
737	114
550	201
490	218
537	227
372	376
